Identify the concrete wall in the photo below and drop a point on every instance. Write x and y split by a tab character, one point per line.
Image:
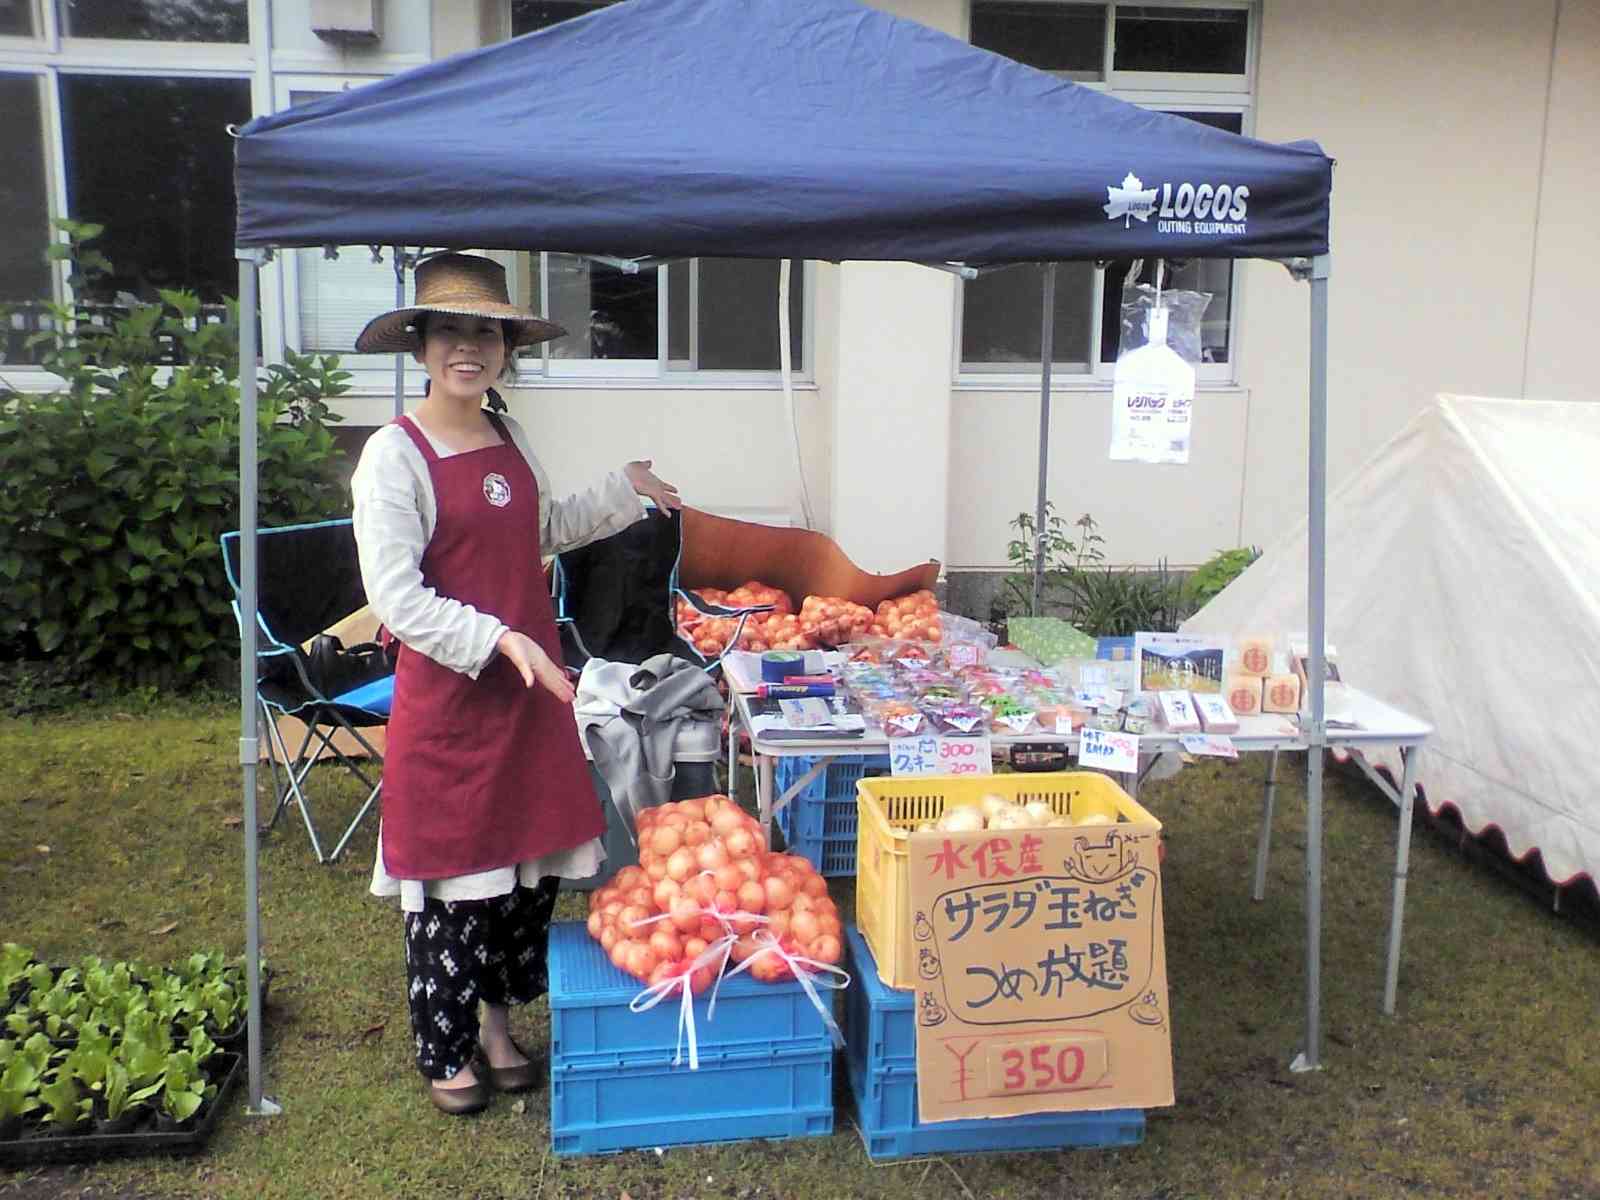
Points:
1435	113
1561	341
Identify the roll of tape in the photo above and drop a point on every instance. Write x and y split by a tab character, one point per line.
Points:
778	665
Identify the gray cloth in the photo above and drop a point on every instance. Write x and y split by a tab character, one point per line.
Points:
632	717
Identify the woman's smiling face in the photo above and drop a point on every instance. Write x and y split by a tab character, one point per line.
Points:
463	355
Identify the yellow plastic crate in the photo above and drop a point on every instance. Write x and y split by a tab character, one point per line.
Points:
889	809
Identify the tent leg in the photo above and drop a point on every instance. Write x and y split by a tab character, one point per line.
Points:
1309	1058
399	253
1047	353
250	262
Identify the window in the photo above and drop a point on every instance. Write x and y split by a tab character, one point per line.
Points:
115	114
716	314
16	20
1181	58
168	210
24	213
155	20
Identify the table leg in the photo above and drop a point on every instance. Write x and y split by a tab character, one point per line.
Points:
1402	857
764	792
733	753
1264	843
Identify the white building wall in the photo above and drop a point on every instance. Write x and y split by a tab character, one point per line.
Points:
1561	333
1435	114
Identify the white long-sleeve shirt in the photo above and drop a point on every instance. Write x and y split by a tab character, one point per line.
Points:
394	517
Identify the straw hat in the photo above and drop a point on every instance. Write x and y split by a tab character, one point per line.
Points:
465	284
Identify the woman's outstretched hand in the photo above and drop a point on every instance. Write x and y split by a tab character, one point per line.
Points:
532	663
646	483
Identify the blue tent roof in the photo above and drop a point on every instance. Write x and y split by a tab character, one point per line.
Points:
766	128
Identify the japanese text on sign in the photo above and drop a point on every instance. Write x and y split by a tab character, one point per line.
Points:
1108	750
936	754
1040	973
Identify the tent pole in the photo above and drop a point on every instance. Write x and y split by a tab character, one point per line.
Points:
399	302
1047	353
1316	593
249	748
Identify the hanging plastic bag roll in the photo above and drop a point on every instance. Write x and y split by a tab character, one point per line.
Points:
1154	385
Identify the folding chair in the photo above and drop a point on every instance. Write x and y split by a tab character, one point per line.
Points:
308	578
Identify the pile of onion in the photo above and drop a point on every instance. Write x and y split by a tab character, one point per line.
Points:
779	629
833	621
705	870
914	616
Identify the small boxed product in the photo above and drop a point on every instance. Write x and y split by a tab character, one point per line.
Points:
1253	656
1178	712
1215	715
1280	691
1243	693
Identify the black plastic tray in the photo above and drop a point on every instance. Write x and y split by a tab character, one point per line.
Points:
82	1147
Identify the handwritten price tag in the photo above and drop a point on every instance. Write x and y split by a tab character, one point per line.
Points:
1108	750
1051	1064
1209	745
941	755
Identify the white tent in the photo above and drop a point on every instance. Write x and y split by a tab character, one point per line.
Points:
1464	586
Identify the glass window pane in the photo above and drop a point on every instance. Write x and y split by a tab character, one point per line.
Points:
607	313
1214	275
24	215
1052	37
736	316
1001	317
528	15
16	19
682	278
168	209
157	20
1207	41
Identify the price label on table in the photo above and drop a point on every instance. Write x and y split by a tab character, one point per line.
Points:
1108	750
1045	1064
941	754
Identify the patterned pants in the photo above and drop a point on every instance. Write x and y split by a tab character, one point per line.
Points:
460	952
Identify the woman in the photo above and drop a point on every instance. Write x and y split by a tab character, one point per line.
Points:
487	802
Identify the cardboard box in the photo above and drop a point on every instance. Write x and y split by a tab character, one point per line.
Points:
1186	661
1041	969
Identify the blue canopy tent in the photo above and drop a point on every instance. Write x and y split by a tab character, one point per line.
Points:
770	129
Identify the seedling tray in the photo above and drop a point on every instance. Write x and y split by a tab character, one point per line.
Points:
38	1146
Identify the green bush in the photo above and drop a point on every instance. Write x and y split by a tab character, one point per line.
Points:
118	485
1216	573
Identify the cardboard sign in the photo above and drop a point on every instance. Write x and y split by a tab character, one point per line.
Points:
1108	750
941	754
1041	971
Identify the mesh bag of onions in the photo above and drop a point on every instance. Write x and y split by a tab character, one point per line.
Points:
705	876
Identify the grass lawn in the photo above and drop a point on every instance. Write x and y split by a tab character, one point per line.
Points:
119	835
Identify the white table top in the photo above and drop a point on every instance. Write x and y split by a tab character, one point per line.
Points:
1381	724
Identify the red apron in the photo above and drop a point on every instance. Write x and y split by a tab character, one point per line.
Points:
482	773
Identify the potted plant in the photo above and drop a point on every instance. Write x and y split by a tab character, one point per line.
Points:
22	1068
183	1090
122	1106
15	962
66	1107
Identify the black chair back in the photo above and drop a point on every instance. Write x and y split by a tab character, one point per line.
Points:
307	577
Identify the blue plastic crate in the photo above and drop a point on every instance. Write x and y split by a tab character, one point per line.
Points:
881	1060
590	1022
820	822
599	1108
879	1031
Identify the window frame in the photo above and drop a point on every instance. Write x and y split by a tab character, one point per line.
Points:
1163	91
